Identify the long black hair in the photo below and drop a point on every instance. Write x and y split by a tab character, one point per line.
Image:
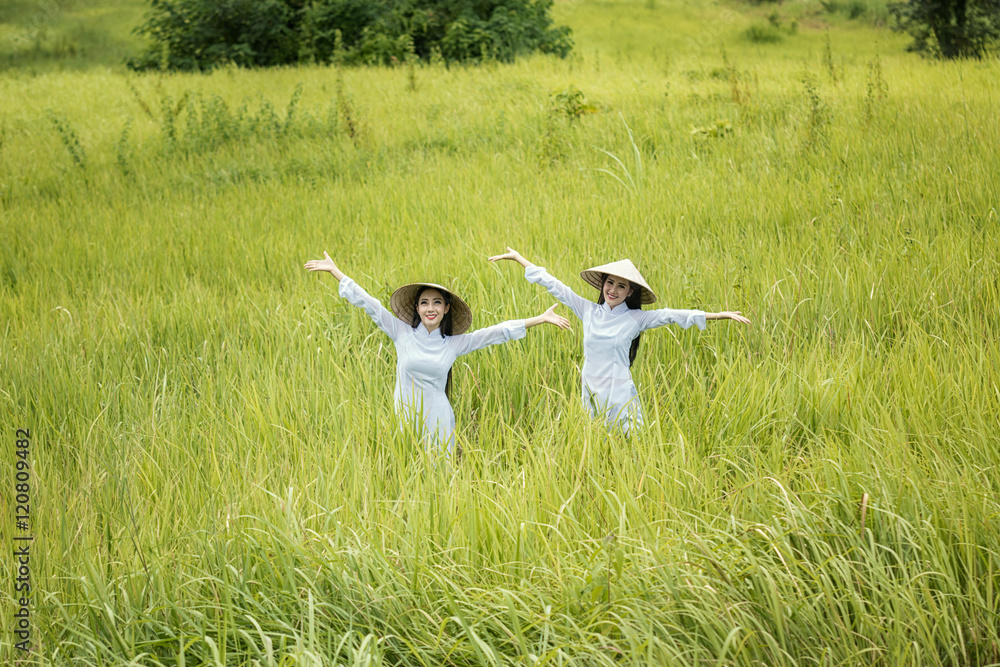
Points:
445	327
633	302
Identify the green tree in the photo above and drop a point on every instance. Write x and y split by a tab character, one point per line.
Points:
950	28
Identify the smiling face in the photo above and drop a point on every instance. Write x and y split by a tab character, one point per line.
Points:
616	290
432	307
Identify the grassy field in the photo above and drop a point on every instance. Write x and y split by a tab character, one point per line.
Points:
216	472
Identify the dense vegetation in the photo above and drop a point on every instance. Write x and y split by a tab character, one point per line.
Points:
950	28
217	476
203	34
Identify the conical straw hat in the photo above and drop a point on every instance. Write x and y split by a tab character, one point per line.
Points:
623	269
401	303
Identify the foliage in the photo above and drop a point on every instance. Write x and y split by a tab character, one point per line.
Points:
949	28
202	34
199	34
831	68
122	157
876	88
69	139
720	128
852	9
570	103
763	33
818	115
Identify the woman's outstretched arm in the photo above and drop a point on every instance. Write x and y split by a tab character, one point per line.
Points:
325	265
661	317
354	294
536	274
512	255
548	317
503	332
727	315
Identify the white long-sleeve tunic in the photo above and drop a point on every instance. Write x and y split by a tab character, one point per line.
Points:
423	360
606	378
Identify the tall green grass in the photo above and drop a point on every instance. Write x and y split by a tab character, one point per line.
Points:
52	35
218	474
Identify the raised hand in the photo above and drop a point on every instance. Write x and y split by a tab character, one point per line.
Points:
548	317
325	265
558	320
512	255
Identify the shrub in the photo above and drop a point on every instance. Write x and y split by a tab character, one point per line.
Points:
199	34
763	33
202	34
570	103
852	9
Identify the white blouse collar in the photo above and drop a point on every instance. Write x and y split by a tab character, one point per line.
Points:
617	310
422	330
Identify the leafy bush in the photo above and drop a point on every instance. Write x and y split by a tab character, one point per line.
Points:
202	34
872	11
852	9
570	103
197	34
763	33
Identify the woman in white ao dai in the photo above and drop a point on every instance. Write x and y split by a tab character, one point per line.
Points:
426	330
611	331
